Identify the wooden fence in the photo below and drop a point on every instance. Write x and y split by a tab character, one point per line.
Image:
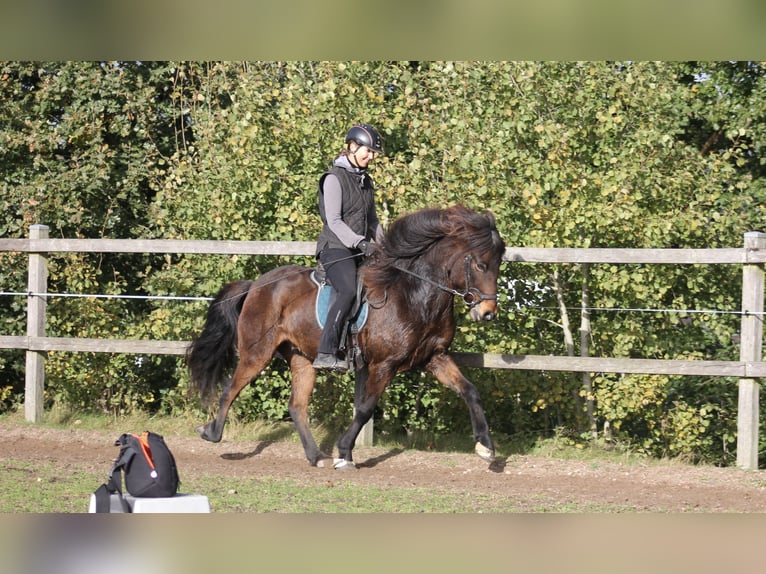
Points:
749	369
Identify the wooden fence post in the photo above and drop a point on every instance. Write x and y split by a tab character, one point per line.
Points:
37	282
751	337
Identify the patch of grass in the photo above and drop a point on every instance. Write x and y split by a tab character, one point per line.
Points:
34	487
287	496
595	450
178	425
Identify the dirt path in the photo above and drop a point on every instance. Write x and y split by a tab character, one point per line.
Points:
527	483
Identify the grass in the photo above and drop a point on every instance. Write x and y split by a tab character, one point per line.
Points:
46	487
288	496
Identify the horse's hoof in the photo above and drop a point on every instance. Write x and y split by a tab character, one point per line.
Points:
484	452
202	432
343	464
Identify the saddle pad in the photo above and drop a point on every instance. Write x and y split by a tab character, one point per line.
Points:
324	299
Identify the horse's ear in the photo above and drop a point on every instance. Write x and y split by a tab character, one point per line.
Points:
491	218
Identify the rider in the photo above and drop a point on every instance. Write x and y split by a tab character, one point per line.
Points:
350	225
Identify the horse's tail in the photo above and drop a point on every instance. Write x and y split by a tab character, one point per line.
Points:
214	353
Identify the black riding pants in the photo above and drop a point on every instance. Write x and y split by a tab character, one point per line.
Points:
340	266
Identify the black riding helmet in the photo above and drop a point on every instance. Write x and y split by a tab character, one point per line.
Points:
366	135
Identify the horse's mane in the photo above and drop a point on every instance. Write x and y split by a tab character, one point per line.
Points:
413	236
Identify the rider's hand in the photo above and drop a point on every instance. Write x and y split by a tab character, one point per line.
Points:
366	247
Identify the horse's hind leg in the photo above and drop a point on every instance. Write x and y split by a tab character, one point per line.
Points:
213	431
247	369
304	378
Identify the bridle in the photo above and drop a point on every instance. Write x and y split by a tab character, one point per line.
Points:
472	296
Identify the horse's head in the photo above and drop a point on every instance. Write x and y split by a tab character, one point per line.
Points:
473	260
456	250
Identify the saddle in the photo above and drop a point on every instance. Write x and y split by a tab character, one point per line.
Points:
326	297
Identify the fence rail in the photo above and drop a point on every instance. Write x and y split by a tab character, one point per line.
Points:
730	255
740	369
749	369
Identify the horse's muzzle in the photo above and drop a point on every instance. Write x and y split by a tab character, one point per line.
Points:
478	313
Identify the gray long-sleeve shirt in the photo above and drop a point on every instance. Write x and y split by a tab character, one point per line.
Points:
333	204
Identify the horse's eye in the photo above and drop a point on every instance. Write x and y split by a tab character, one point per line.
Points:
481	267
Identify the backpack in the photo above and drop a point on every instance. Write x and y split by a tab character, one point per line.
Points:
149	468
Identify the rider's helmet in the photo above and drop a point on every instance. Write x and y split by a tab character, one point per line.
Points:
366	135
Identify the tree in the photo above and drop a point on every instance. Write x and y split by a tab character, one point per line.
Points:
77	142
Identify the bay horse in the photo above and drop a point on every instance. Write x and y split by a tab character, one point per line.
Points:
426	259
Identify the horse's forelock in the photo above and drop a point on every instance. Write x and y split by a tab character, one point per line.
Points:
490	219
477	230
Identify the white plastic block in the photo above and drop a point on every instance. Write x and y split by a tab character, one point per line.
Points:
194	503
114	504
180	503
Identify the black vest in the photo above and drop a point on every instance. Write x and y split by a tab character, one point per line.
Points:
358	196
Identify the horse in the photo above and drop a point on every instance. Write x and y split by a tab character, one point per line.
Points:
426	259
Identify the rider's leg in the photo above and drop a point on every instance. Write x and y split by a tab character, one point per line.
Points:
340	265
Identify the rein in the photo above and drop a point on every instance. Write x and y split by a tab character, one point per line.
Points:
471	296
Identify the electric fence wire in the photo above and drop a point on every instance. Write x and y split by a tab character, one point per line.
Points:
519	309
105	296
638	310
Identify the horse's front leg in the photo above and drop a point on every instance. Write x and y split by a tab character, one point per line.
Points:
370	384
447	372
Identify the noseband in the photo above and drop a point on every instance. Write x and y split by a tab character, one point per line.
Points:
471	296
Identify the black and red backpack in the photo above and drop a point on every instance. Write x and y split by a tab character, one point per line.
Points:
149	468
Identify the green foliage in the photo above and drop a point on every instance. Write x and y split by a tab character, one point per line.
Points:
266	398
566	154
672	416
332	402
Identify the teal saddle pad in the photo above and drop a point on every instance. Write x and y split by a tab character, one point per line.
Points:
326	297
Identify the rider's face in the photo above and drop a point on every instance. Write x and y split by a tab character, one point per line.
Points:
361	155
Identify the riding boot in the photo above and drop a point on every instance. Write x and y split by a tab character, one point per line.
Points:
327	357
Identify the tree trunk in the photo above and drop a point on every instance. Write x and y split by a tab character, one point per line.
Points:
565	326
585	336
